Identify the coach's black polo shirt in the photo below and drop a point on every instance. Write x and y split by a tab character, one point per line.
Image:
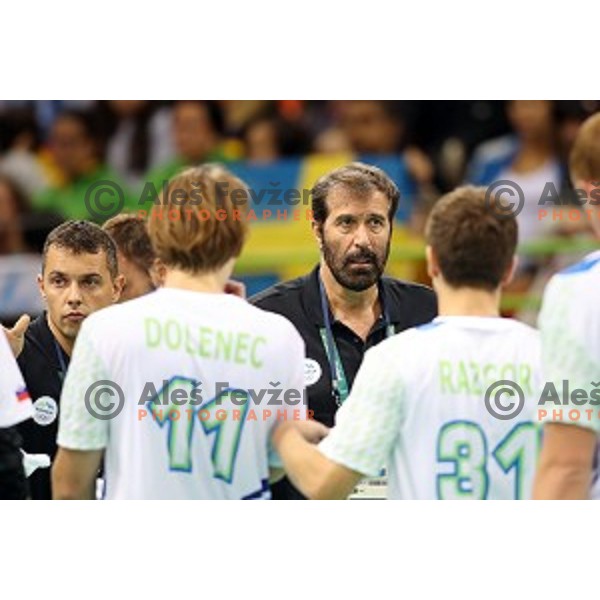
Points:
406	304
43	364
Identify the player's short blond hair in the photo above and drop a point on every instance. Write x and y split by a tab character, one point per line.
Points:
211	227
584	162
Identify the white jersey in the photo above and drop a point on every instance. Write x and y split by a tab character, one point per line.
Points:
15	403
202	380
418	406
570	328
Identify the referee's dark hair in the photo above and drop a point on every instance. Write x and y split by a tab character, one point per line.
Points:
82	237
360	180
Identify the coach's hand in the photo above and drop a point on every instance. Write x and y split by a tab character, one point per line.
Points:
16	335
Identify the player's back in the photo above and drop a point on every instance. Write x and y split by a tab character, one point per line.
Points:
569	322
569	314
453	444
178	356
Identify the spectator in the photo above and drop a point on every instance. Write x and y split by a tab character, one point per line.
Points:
18	265
529	157
14	206
198	133
369	127
76	147
19	143
269	137
138	137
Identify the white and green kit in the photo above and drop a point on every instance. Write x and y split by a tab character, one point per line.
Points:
201	380
418	407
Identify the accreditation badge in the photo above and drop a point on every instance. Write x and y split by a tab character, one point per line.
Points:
372	488
45	410
312	371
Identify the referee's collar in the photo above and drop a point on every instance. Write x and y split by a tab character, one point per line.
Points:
311	298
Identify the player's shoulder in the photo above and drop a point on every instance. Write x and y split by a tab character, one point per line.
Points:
528	337
272	323
589	267
407	343
426	334
584	274
118	316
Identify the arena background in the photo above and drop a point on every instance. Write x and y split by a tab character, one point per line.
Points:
427	147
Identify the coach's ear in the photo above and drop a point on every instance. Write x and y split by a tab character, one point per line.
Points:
317	230
510	272
433	266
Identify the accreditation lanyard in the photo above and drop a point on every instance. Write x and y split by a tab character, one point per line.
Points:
339	382
61	361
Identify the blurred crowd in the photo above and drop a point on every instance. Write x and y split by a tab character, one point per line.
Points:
52	151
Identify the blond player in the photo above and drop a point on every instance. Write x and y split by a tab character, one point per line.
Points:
181	388
570	325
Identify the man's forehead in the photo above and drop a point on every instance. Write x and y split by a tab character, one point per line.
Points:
72	263
344	199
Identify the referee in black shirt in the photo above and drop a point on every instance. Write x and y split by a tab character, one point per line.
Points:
79	276
346	305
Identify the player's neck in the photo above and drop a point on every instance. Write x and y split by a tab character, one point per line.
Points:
468	302
343	301
212	282
64	342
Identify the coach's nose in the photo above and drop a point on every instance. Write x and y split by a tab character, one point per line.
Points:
361	236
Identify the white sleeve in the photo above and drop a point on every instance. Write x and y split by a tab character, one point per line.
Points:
568	352
368	423
78	429
15	403
294	397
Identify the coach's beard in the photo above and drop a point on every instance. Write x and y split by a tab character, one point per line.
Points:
358	271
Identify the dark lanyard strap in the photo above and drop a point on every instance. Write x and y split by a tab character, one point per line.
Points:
61	360
339	382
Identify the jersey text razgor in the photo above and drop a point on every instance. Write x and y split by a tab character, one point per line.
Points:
473	378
